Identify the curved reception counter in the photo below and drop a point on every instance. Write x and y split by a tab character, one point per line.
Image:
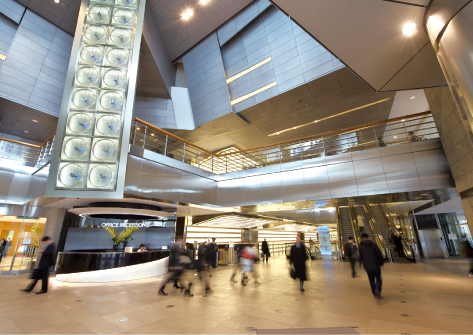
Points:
103	267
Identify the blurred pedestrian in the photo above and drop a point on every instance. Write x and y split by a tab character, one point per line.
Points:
397	240
297	260
361	223
213	255
372	260
7	246
177	263
351	251
265	250
3	244
203	253
42	271
247	260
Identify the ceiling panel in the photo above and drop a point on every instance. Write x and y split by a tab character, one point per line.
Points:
366	36
332	94
15	119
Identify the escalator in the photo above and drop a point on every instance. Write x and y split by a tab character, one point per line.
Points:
346	225
380	218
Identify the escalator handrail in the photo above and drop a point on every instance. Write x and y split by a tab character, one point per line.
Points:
378	237
407	252
339	226
354	224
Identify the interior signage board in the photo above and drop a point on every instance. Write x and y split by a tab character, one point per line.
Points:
324	239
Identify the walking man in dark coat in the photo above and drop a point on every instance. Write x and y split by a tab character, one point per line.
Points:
265	250
42	272
297	259
397	240
372	260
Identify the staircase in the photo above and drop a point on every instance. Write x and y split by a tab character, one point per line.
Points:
383	227
345	223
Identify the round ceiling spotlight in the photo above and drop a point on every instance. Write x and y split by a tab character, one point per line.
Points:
409	28
187	14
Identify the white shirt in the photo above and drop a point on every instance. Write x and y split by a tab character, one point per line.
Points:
361	223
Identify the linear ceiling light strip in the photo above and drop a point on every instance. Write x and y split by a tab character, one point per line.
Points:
249	95
254	67
329	117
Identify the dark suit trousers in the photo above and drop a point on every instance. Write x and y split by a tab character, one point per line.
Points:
43	274
375	280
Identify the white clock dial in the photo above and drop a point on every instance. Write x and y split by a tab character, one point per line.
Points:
101	176
111	100
123	17
83	99
95	34
79	123
114	78
117	57
75	148
120	36
128	3
88	76
91	54
71	175
104	149
108	125
99	14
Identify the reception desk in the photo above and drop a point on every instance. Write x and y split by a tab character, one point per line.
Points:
101	267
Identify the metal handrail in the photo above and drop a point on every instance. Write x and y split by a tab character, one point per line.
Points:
339	229
407	252
393	132
376	231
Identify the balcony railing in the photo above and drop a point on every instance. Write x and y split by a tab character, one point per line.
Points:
412	128
17	153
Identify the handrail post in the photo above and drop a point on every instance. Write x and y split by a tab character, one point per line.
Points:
183	152
198	160
144	137
375	136
166	146
260	158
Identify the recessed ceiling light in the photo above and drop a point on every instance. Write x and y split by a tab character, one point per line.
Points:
138	128
187	14
152	134
204	2
413	97
409	28
35	120
56	1
26	131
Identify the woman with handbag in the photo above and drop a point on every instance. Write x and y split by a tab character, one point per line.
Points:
297	260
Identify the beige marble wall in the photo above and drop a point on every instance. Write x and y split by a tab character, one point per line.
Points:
457	143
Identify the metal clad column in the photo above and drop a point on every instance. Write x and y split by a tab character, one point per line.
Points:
450	28
90	152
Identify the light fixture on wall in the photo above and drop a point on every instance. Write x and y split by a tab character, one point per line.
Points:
409	28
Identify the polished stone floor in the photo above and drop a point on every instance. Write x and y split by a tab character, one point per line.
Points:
436	296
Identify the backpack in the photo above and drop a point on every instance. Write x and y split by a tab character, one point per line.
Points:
348	250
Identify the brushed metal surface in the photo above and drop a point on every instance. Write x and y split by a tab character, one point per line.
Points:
401	173
342	180
370	178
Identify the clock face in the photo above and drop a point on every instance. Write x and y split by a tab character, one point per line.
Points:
71	175
91	54
117	57
128	3
99	14
75	148
120	36
105	149
83	99
108	125
88	76
102	2
79	123
111	101
95	34
123	17
101	176
114	79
